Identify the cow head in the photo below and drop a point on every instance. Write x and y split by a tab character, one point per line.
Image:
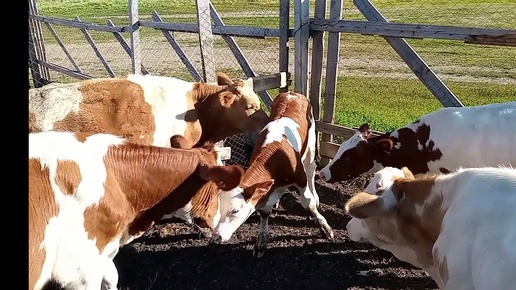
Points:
356	156
205	210
237	205
388	215
240	106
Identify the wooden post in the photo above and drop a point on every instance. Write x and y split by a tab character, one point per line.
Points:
38	41
317	64
284	19
301	35
206	40
134	18
332	68
34	67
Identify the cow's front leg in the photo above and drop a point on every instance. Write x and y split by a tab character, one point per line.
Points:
263	233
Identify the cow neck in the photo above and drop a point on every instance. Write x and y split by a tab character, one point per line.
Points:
203	91
147	174
256	173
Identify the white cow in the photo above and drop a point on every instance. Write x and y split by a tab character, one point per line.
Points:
460	227
439	142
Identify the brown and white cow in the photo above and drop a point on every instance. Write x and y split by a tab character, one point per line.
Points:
283	158
90	194
460	227
149	109
441	141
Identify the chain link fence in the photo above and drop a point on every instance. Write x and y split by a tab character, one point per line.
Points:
365	61
163	52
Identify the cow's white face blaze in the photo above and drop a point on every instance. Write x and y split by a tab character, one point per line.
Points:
374	219
234	211
353	158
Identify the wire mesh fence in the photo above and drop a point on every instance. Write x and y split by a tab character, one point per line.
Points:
365	63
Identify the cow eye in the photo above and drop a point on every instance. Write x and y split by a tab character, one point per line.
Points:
234	211
249	107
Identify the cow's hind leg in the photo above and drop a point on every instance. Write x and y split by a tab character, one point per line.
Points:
309	202
263	233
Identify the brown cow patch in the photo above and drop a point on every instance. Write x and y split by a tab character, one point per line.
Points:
115	106
42	207
68	176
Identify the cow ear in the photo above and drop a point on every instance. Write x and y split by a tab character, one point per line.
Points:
408	174
363	205
249	83
223	79
226	177
227	99
256	191
365	130
384	145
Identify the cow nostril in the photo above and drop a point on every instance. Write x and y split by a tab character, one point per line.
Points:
321	175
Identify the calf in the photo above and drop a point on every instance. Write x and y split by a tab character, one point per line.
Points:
91	194
283	158
459	227
149	109
438	142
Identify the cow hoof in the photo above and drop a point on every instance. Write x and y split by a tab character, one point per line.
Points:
327	231
258	253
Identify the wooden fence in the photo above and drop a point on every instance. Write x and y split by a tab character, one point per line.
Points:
307	74
394	34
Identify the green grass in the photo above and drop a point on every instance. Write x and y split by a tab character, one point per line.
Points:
386	105
385	102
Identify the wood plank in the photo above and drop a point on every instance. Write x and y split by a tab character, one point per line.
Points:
317	61
63	47
328	150
239	56
230	30
136	55
38	39
412	59
338	130
125	46
332	69
301	37
177	48
418	31
64	70
317	67
206	41
502	40
272	81
79	24
33	64
96	50
284	23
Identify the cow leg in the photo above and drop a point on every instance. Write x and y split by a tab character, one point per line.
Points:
263	232
110	280
309	197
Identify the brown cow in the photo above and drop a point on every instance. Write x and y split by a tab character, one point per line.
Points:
283	158
149	109
89	194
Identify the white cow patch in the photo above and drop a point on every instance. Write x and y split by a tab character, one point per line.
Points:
62	259
167	97
281	128
59	100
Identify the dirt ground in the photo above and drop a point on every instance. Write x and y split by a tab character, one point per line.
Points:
173	256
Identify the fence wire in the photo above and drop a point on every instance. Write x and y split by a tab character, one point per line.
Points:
365	61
